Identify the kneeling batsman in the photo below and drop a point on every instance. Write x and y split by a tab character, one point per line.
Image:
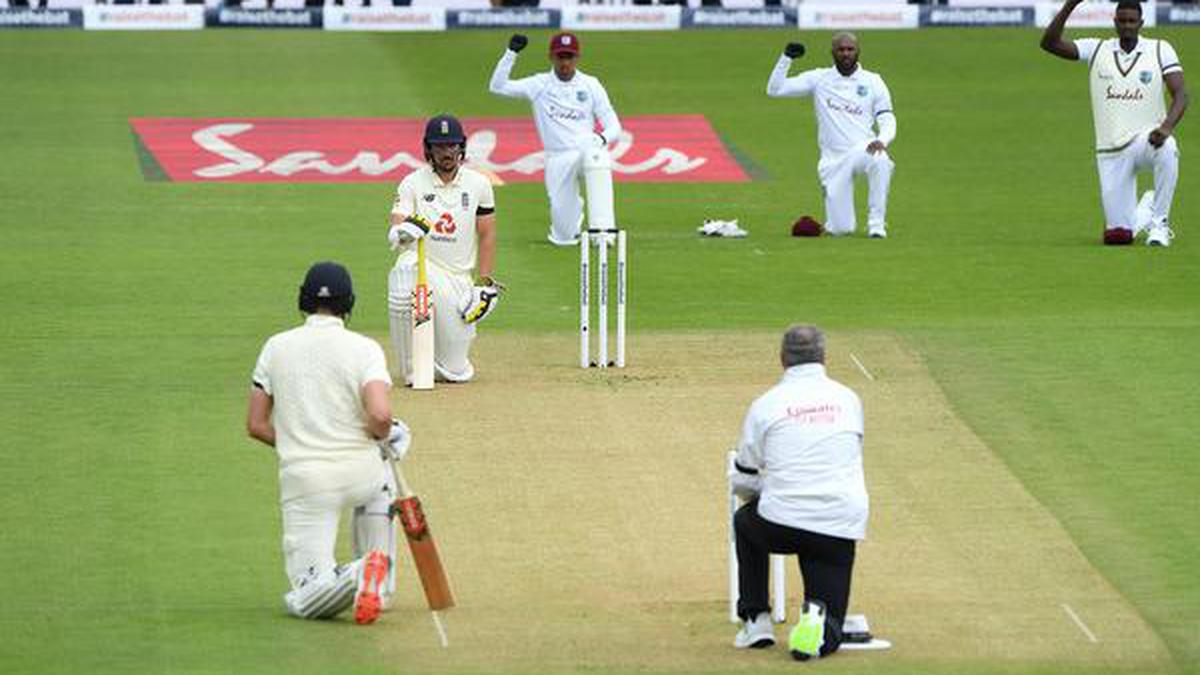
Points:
447	211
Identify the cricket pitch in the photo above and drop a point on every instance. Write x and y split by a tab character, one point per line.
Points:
581	516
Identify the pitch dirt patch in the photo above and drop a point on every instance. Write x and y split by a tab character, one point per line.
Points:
581	516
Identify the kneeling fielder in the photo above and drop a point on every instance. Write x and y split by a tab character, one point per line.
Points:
320	398
850	103
453	208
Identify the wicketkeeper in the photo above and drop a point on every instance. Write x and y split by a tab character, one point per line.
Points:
453	207
320	398
567	104
799	466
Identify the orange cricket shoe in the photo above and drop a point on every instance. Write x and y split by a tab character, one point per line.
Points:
367	604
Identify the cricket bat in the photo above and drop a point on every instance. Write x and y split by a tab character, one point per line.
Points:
420	541
422	337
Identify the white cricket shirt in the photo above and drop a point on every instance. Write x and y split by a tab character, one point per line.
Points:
565	113
804	435
451	209
847	106
315	374
1126	87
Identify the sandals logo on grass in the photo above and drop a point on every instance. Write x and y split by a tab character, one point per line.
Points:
651	148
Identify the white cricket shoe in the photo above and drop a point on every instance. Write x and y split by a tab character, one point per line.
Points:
1159	235
574	241
756	634
877	231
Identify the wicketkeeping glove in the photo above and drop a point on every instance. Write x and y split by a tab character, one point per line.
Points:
395	446
484	298
411	229
517	42
793	50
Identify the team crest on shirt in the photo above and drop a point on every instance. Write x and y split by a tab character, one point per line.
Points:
1145	76
466	200
581	96
430	197
862	90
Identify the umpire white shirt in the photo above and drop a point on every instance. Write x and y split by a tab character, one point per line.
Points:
565	113
314	375
847	106
804	436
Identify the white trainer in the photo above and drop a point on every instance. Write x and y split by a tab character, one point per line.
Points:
558	242
877	231
1159	235
756	634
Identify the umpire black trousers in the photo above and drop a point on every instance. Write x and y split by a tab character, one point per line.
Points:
826	564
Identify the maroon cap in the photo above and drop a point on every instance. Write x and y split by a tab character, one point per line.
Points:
806	226
564	43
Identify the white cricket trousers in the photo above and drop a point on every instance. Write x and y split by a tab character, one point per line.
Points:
310	523
1118	180
562	176
837	173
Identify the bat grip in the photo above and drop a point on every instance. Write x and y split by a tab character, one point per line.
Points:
401	484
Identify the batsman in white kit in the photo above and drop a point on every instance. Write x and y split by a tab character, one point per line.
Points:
451	207
567	105
1134	128
855	127
320	397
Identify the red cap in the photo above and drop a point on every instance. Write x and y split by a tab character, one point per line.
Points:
806	226
564	43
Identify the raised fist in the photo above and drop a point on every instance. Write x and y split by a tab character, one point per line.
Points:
517	42
793	50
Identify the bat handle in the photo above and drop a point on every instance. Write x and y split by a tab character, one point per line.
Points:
401	484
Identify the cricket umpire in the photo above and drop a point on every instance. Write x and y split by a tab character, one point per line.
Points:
320	397
799	464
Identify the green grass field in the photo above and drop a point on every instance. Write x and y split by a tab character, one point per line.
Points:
140	526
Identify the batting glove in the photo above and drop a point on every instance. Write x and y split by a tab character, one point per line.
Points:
411	229
793	50
484	298
395	446
517	42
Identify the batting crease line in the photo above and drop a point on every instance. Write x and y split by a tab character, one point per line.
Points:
861	367
1079	622
437	623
